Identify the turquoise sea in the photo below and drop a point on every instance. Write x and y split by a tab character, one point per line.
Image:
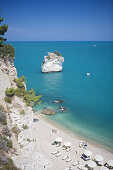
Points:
89	100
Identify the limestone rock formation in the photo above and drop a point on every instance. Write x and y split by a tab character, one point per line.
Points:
48	111
52	63
7	74
8	68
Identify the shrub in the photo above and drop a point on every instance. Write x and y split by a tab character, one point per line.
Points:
20	92
4	121
7	52
28	140
57	53
30	98
2	108
10	92
19	81
25	127
7	99
48	57
15	130
22	112
9	142
9	166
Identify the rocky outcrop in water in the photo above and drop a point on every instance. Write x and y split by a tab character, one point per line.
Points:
52	63
48	111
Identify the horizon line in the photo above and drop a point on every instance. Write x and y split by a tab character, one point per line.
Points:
63	40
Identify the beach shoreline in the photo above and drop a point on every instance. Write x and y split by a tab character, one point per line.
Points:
45	137
71	133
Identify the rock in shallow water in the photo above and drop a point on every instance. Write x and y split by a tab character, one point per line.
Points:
48	111
52	63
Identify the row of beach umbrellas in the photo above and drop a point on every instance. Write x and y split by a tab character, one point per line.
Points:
97	158
67	144
91	164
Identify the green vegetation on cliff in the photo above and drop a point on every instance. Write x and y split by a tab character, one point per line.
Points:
7	52
8	99
57	53
20	82
9	165
9	92
29	97
7	141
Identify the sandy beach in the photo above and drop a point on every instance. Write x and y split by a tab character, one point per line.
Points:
42	132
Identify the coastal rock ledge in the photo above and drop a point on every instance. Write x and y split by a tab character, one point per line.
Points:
52	63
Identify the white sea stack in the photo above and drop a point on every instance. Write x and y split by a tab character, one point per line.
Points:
52	63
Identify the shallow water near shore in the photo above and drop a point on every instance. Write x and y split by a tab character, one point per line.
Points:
89	100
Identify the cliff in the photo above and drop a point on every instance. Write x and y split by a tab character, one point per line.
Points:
52	63
17	119
7	69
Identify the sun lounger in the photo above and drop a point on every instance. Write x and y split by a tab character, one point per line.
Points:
55	152
66	169
84	168
68	160
100	163
65	157
80	166
85	158
76	163
58	154
68	149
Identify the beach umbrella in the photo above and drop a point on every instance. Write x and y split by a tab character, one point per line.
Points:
91	164
67	144
104	168
99	158
110	163
87	153
58	139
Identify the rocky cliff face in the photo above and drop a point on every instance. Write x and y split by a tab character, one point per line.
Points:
7	74
8	68
52	63
19	118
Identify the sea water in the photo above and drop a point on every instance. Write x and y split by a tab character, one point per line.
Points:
88	99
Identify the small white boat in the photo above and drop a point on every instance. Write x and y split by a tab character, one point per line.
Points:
88	74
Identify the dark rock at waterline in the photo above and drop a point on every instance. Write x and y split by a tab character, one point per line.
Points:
58	101
48	111
61	108
6	131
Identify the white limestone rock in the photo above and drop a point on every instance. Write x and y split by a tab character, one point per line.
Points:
52	63
7	74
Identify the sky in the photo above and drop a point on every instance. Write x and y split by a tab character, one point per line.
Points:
58	20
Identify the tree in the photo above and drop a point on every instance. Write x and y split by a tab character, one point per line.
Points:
3	29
